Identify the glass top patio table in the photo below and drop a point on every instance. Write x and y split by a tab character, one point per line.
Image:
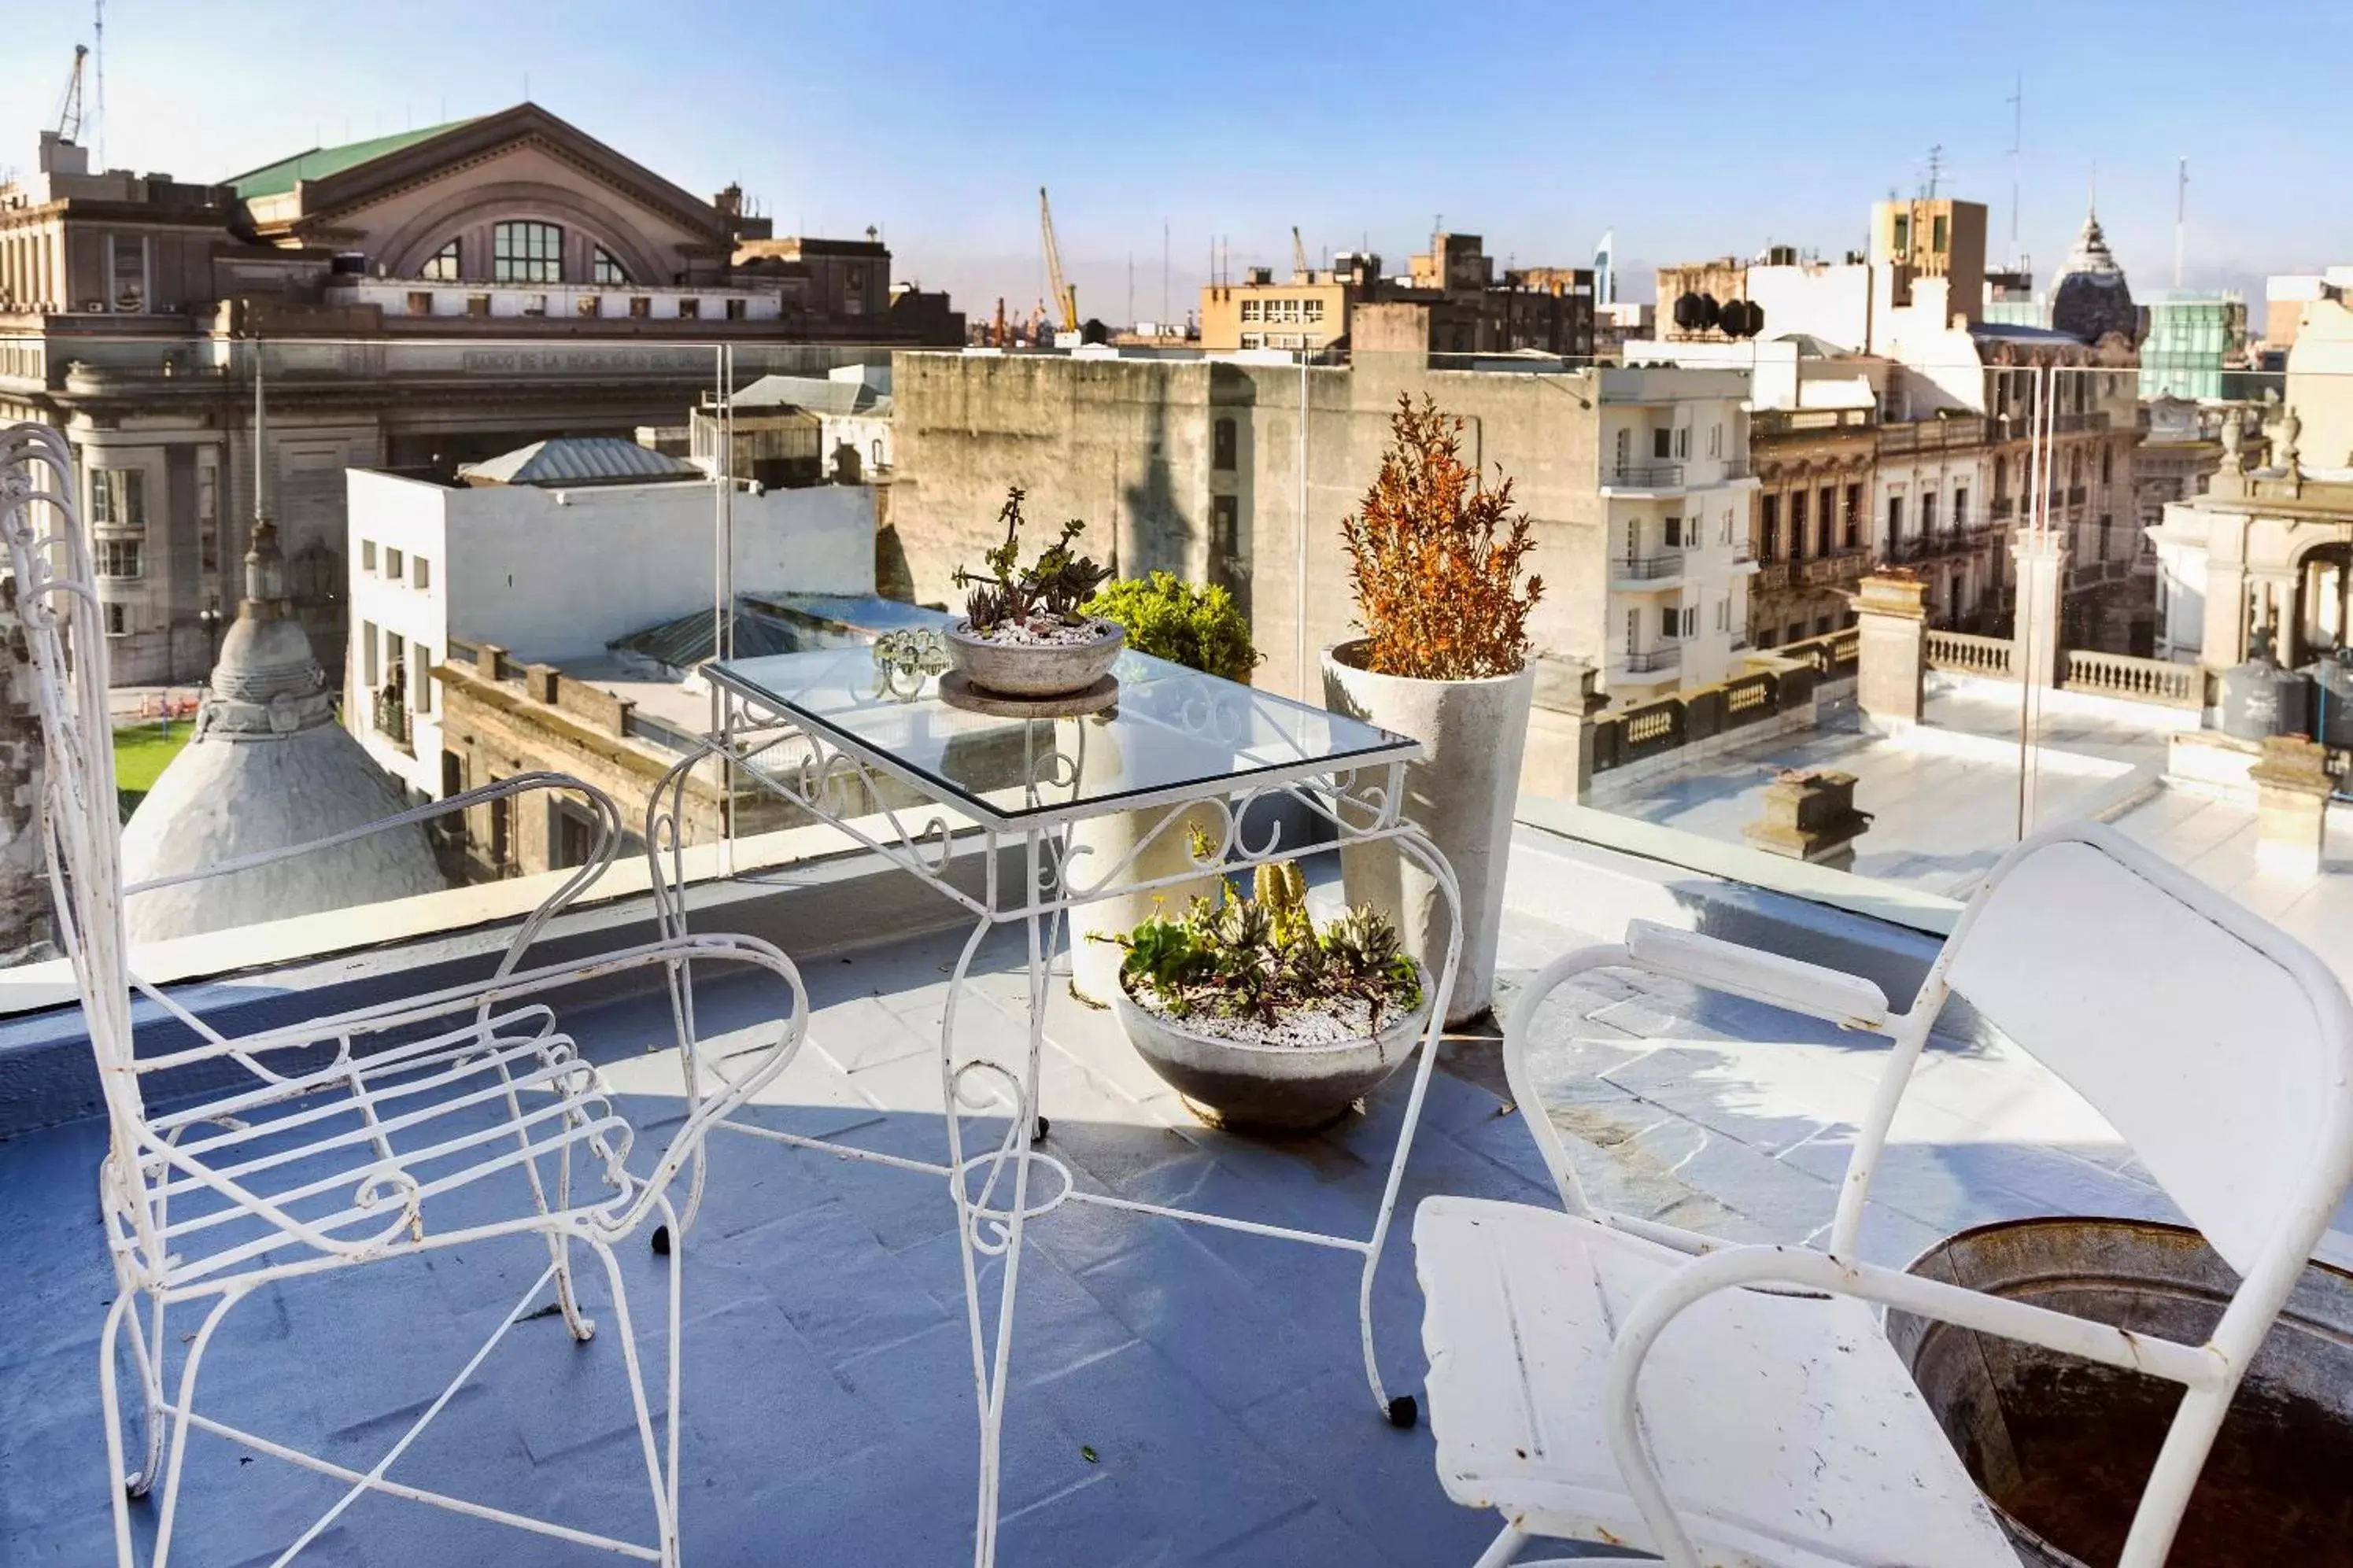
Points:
1172	734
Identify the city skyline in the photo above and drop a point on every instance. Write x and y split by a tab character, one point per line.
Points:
1685	149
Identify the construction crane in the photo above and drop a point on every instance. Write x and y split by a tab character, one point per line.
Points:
69	109
1066	298
1299	267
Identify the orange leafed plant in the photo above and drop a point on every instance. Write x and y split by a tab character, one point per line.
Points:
1437	557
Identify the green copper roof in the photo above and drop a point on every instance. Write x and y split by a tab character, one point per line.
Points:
277	179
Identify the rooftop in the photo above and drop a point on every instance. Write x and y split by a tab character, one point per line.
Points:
277	179
578	460
1182	1394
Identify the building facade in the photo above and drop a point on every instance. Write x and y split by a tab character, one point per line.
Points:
1635	483
411	301
2193	337
1452	304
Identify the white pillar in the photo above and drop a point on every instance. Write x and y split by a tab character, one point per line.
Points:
2041	560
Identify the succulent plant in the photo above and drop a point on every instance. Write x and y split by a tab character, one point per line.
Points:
1052	587
1260	955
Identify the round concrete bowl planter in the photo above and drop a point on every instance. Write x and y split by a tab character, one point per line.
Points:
1459	794
1246	1087
1034	670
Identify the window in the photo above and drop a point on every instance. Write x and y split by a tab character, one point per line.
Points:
1690	620
690	309
1960	506
1769	528
420	301
1796	525
607	269
1903	234
1222	445
1674	532
640	306
395	566
1671	620
207	519
117	557
1715	440
117	498
1723	614
877	453
1853	517
1225	527
1939	231
735	310
1253	340
523	252
2000	478
1682	441
1725	533
1894	518
127	253
117	620
1249	310
420	685
423	574
1625	448
368	641
1825	518
2107	465
588	305
478	304
1314	310
367	554
1928	514
2103	536
441	267
1663	442
1633	629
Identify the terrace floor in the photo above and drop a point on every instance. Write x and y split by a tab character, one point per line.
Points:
1181	1395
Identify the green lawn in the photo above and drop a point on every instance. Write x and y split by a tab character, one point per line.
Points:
142	750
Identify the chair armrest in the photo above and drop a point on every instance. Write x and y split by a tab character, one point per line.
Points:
1847	1000
1734	1267
608	833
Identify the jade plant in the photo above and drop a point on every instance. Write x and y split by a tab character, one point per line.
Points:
1260	956
1039	597
1200	629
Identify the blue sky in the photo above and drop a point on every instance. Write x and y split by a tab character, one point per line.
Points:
1692	131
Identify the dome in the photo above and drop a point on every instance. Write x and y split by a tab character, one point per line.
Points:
2091	298
269	768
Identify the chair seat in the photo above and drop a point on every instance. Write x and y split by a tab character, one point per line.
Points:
396	1147
1786	1430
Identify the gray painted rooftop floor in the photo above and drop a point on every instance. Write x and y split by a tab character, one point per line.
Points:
1182	1395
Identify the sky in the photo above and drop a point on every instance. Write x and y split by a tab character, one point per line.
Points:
1694	130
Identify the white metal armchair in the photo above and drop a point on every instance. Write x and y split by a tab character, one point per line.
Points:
1604	1380
444	1120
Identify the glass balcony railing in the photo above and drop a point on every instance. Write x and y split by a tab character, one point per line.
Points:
644	504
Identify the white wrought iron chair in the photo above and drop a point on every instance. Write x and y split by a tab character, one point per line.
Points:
1601	1379
444	1120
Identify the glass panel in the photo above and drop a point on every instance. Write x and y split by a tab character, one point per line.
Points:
523	252
1172	729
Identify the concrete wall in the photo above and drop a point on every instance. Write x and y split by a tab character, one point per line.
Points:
1128	444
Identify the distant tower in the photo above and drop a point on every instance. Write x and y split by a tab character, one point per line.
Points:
1605	269
269	768
2090	299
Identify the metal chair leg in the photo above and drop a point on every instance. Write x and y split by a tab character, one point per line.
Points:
1502	1549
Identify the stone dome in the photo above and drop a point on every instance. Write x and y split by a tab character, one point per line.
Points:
267	768
2091	298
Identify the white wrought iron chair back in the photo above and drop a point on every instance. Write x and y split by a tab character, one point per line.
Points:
65	640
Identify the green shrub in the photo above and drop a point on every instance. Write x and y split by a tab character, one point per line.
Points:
1200	629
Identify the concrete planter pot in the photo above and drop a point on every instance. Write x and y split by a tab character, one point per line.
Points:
1248	1087
1041	669
1461	796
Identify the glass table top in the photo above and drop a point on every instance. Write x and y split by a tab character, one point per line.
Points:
1172	733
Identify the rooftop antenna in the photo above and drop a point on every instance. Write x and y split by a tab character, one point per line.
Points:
2017	101
2180	216
69	115
98	26
1936	168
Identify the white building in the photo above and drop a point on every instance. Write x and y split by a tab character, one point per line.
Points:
1674	484
553	571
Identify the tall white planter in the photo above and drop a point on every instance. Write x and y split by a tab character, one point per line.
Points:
1474	733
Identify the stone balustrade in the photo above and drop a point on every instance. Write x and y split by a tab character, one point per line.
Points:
2136	679
1967	654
